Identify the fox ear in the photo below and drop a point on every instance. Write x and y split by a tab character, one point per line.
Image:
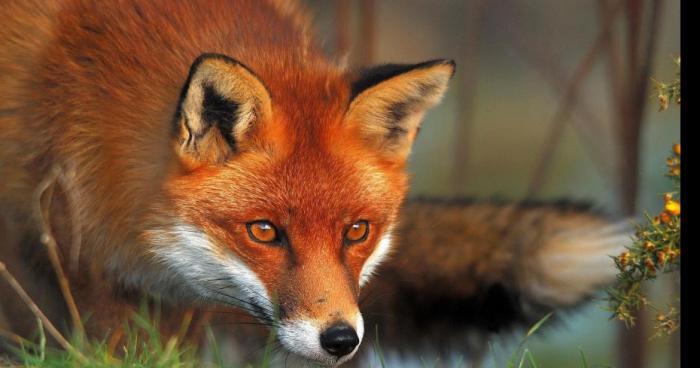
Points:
388	103
220	105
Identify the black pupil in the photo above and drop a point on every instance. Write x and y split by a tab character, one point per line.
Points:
262	231
357	231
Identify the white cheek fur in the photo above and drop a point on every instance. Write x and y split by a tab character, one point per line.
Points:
375	259
192	261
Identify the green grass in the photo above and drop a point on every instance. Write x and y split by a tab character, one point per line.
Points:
145	347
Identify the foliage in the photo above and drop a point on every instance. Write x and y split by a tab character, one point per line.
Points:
667	92
657	244
144	347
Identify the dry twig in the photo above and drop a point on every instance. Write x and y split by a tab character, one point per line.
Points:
45	189
561	115
38	313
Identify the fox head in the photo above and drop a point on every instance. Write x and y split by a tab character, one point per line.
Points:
285	192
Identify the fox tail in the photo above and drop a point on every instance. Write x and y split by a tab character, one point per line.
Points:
462	270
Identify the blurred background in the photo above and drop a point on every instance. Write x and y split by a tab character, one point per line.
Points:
551	99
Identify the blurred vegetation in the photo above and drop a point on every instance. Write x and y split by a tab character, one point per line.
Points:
657	244
143	346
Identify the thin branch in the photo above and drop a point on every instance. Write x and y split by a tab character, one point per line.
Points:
632	343
613	64
17	339
39	314
588	126
629	129
368	36
342	28
557	123
634	11
44	187
66	180
466	93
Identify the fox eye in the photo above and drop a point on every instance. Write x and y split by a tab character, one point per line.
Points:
357	232
262	231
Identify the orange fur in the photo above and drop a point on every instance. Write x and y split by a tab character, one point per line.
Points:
94	88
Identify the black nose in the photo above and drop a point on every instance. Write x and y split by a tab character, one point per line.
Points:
339	339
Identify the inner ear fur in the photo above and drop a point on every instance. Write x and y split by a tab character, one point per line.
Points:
220	105
389	101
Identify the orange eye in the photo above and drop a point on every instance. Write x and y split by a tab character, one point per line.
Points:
262	231
357	232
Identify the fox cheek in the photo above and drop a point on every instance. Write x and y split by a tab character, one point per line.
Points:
380	252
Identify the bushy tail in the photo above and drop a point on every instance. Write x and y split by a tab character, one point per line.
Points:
570	265
464	268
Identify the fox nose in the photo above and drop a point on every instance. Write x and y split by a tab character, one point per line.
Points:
339	340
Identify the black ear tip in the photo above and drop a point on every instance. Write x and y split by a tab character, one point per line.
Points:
369	77
452	65
447	62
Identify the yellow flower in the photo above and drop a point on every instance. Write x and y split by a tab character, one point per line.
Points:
649	246
677	149
663	102
624	258
673	207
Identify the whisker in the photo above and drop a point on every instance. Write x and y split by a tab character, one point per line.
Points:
243	324
218	292
255	306
246	306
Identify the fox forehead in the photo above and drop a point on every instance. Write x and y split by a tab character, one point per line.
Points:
317	182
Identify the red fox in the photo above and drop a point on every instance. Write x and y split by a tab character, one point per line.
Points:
217	156
213	155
